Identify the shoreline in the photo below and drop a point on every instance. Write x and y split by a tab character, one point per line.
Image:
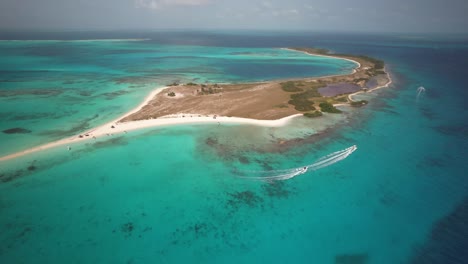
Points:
387	84
116	126
350	96
329	56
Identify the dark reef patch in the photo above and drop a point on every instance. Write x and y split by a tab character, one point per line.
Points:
388	198
7	177
185	236
265	164
83	125
428	113
127	228
110	142
243	160
13	175
277	189
222	150
34	116
85	93
448	240
453	130
36	92
113	95
200	229
351	259
432	161
248	198
228	151
21	117
17	130
210	141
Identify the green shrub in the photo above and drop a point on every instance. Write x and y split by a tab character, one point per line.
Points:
290	87
302	104
301	100
343	99
329	108
313	114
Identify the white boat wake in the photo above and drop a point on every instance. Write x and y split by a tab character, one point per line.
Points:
281	175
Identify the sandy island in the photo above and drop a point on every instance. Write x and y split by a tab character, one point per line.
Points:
262	104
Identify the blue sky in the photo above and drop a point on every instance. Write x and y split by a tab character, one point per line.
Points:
318	15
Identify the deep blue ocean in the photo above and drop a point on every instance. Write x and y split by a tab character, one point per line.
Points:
173	195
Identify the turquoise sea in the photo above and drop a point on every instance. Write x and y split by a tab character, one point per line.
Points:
174	195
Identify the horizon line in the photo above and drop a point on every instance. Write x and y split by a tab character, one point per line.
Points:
227	30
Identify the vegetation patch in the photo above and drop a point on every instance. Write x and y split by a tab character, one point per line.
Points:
313	114
302	104
171	94
209	89
302	101
329	108
291	87
343	99
378	64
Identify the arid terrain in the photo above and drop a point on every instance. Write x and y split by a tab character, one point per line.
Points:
268	100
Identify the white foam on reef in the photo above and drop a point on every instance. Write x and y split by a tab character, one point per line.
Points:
281	175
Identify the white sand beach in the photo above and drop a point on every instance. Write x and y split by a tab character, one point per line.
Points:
115	127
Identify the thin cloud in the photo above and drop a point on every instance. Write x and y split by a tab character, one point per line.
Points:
159	4
267	4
